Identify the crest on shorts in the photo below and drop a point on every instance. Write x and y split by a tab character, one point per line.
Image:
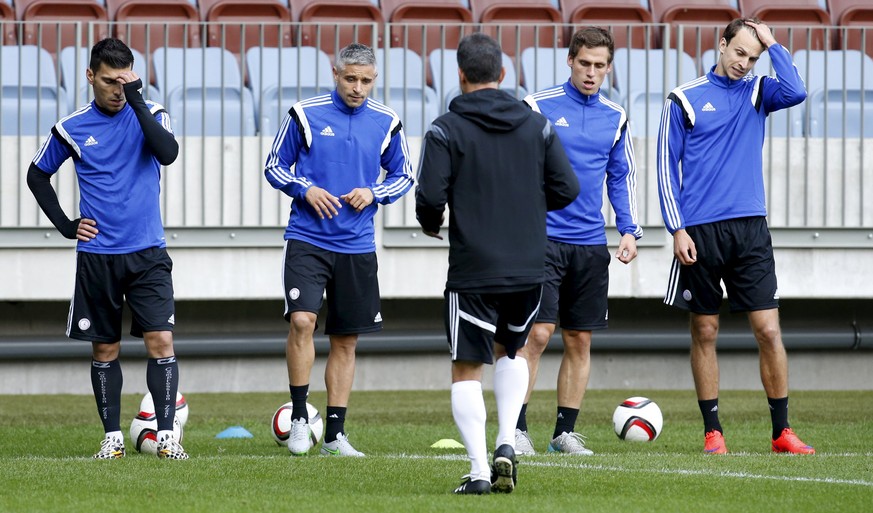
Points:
84	323
686	295
294	293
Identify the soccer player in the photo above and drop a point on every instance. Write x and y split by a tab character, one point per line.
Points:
118	143
328	156
711	186
499	167
594	132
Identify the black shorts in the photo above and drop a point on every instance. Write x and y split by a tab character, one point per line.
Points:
350	281
736	251
475	321
104	282
576	286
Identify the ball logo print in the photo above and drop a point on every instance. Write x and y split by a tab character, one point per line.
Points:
638	419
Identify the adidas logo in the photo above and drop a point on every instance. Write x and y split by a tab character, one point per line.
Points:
328	131
333	416
714	408
708	107
90	141
172	319
561	415
378	317
562	122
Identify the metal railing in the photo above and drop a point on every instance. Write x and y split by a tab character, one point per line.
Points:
226	111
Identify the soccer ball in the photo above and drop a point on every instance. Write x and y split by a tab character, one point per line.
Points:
147	405
144	432
637	419
281	424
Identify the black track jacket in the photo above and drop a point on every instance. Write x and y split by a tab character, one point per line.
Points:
499	166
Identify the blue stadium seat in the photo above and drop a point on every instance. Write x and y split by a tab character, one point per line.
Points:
73	66
403	77
444	67
29	91
840	88
281	77
203	91
644	78
546	67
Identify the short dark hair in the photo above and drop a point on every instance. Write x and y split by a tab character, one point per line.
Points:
738	24
480	58
592	37
112	52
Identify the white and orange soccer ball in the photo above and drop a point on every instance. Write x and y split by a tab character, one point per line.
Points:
281	424
638	419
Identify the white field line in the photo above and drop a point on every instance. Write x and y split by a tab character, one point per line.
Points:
664	471
566	463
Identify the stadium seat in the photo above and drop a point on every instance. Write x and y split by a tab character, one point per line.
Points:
149	24
511	22
829	76
73	66
797	24
857	18
30	92
442	22
49	22
7	17
339	23
203	91
617	16
403	79
703	21
546	67
238	25
444	66
640	76
282	76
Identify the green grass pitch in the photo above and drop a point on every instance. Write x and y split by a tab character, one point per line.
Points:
46	443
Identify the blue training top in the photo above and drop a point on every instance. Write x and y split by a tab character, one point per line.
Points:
594	132
119	177
715	127
324	142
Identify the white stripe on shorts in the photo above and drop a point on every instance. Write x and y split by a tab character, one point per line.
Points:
673	282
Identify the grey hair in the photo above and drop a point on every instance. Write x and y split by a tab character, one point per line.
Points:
355	54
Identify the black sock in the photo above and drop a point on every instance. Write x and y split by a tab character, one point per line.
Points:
106	380
162	380
522	418
565	421
298	400
709	409
779	415
336	419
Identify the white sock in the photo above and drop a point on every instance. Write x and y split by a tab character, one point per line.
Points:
165	434
115	435
510	386
468	409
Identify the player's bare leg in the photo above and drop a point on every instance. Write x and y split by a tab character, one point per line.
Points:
773	359
704	368
300	348
572	382
537	341
340	370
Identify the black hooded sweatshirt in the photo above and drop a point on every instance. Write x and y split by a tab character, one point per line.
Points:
499	166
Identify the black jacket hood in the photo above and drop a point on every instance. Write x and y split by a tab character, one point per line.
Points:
494	110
